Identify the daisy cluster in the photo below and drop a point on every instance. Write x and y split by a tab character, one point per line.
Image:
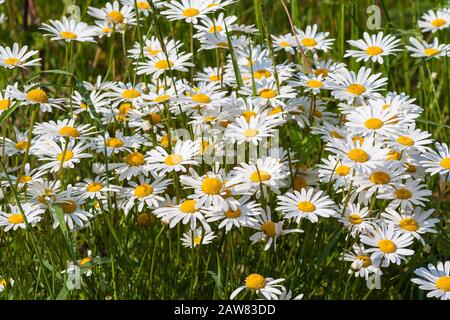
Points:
371	180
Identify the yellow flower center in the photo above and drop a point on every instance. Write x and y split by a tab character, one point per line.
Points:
215	77
255	281
439	22
267	93
211	186
152	52
68	35
358	155
173	159
387	246
84	261
443	283
69	207
37	95
188	206
65	156
315	83
143	190
250	133
94	187
308	42
143	5
393	155
262	74
233	213
248	114
342	170
135	159
215	29
323	72
268	228
403	194
190	12
201	98
306	206
83	106
356	89
16	218
11	61
409	224
406	141
373	123
264	175
410	168
355	219
114	143
197	240
25	179
162	98
430	51
131	94
4	104
336	135
115	16
163	64
365	260
285	44
21	145
69	131
374	51
445	163
380	177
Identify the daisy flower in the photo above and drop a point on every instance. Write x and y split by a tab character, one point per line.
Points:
415	223
326	67
134	163
96	188
207	25
28	177
306	204
197	237
287	295
423	49
258	129
410	140
269	230
437	162
74	216
63	128
127	92
182	154
15	219
268	287
143	6
146	192
332	170
310	83
34	95
205	95
160	64
356	219
311	40
187	211
44	192
11	58
434	21
285	42
362	265
373	47
212	75
5	101
348	86
152	47
189	10
19	145
118	143
406	195
435	279
115	15
242	215
96	99
60	155
69	30
388	244
267	93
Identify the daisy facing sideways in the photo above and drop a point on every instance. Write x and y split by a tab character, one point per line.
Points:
197	237
435	279
15	57
15	219
437	162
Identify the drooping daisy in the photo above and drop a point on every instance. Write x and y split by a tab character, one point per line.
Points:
182	154
311	40
356	219
434	21
188	10
415	223
160	64
69	30
362	265
243	215
373	47
268	287
197	237
63	128
437	162
406	195
348	86
147	192
423	49
34	95
60	155
15	219
306	204
11	58
435	279
388	244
